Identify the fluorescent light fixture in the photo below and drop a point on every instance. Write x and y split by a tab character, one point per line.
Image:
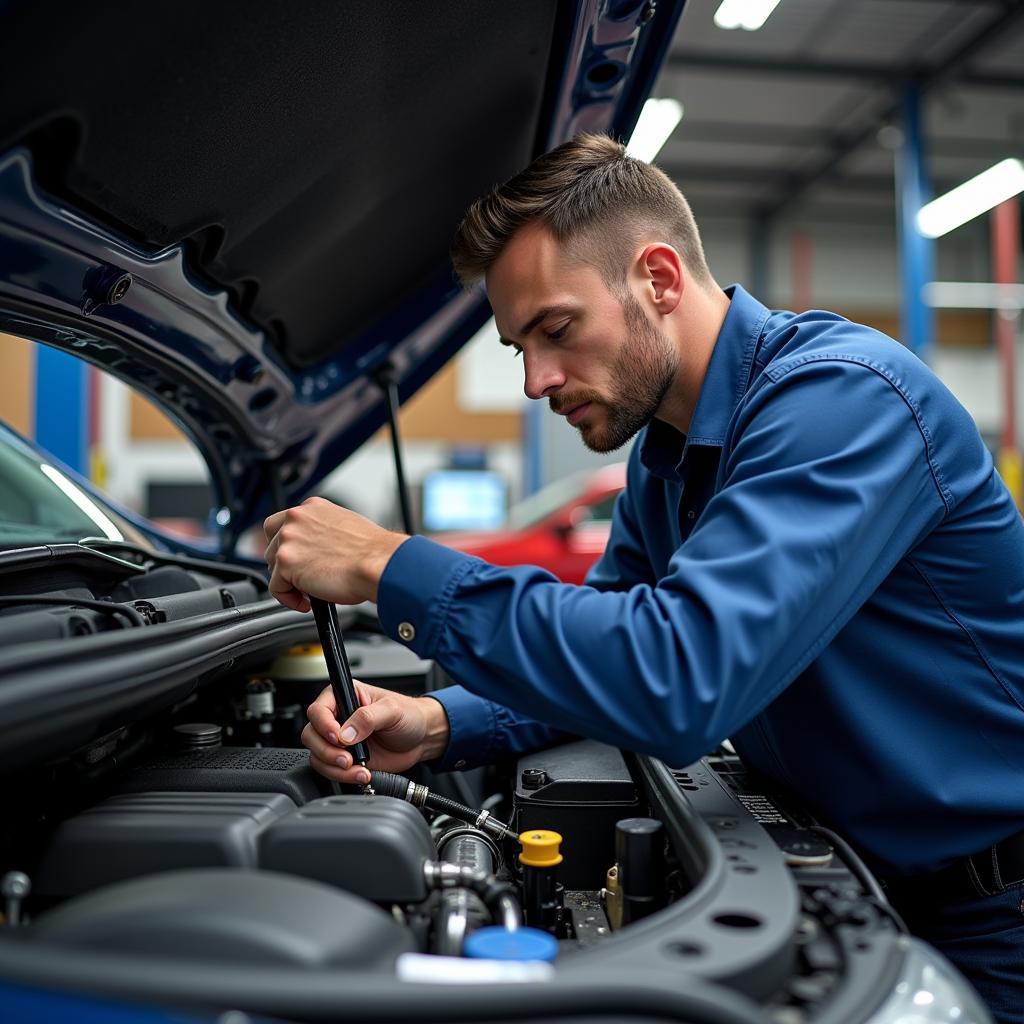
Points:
83	501
974	295
657	122
748	14
972	198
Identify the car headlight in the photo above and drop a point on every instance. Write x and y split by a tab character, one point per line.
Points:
930	990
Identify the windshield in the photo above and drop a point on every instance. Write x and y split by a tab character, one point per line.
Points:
40	505
547	500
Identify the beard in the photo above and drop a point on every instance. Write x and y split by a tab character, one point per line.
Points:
641	376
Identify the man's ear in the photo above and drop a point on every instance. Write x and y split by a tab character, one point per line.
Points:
662	271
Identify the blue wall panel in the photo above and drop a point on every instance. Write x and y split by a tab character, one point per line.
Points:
61	407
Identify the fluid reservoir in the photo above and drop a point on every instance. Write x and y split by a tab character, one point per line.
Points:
300	673
542	895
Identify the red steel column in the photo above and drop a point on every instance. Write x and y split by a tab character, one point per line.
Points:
1005	254
802	267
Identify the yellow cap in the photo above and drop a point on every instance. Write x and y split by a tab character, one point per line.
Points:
540	848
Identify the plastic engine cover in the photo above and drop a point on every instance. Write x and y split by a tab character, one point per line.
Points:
229	916
373	846
142	833
378	840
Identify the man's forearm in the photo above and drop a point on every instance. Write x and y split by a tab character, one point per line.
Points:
438	729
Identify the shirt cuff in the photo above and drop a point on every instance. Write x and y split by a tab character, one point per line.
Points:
416	589
471	729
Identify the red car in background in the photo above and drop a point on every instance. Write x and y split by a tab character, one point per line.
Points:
562	528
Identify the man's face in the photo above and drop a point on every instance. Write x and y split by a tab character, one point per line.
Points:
598	360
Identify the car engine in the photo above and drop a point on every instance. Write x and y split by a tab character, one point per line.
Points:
186	853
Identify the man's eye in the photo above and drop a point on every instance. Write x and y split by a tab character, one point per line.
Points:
559	333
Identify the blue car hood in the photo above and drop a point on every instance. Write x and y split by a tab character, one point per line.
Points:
248	218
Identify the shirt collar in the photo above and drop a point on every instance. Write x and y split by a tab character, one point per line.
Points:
664	448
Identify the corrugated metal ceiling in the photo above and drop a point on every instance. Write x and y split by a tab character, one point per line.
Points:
777	115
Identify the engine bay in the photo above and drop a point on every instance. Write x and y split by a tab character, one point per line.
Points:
189	855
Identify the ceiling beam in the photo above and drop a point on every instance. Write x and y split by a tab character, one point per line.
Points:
693	60
923	81
717	209
758	133
893	75
735	174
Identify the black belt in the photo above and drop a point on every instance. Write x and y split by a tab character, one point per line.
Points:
987	873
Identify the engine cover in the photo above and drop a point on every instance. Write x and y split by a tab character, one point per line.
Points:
373	846
229	916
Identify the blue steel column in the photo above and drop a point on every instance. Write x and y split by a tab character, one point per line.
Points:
916	252
61	407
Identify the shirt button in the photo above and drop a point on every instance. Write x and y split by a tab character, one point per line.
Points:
407	631
459	764
691	514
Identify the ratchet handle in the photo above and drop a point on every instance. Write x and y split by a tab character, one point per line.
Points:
338	669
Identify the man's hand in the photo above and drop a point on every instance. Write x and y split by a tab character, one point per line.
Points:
319	549
400	731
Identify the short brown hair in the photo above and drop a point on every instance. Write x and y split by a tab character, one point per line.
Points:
594	199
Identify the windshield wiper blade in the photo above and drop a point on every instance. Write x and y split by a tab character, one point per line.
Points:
210	565
40	556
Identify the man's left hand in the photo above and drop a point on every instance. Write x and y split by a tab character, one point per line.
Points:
319	549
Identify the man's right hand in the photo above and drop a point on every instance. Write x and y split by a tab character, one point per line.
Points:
399	731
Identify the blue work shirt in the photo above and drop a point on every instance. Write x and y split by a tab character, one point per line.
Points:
826	569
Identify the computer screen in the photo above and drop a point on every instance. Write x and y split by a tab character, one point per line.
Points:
464	499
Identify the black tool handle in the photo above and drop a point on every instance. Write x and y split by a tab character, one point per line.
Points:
338	669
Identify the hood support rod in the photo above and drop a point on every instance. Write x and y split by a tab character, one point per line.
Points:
385	378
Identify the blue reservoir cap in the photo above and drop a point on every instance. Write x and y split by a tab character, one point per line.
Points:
523	944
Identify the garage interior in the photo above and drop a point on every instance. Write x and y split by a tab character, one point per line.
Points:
794	148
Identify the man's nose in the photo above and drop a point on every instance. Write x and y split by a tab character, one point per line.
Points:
543	376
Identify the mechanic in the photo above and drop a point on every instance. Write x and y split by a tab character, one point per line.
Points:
813	556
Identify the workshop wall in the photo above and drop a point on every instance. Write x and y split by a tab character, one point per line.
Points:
16	383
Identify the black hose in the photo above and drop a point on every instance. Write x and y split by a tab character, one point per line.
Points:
12	600
490	891
876	894
494	893
854	862
499	897
443	805
389	784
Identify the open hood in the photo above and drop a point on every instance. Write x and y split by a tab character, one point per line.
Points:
244	211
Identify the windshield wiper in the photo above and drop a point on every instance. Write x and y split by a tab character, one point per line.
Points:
101	545
39	556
